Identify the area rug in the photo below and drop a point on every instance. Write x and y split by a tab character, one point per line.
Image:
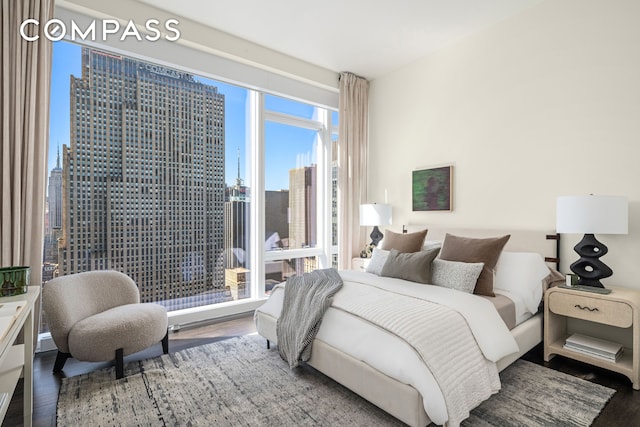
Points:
533	395
238	382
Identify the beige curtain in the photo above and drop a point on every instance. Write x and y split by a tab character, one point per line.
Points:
24	111
352	158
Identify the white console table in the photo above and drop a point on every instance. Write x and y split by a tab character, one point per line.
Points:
17	359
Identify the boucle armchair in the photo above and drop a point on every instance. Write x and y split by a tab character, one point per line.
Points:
97	316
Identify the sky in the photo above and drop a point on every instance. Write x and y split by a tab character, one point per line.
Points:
286	147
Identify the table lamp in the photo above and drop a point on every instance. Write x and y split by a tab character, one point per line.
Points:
592	215
374	215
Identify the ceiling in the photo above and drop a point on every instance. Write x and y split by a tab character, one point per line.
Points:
366	37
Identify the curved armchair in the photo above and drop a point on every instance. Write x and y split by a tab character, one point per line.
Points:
97	316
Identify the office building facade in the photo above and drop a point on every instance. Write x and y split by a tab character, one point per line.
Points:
143	186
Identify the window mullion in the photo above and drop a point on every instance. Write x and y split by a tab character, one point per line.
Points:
257	143
293	121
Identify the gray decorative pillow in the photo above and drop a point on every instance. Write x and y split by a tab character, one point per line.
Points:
378	258
413	266
461	276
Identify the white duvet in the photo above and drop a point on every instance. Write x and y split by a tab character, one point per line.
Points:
381	349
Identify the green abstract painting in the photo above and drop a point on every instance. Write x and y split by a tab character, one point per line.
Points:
432	189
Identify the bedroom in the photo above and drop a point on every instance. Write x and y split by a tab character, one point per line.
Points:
539	105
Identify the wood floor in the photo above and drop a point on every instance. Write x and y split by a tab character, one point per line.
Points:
622	410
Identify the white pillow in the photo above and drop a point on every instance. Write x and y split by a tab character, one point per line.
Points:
378	258
431	244
521	273
461	276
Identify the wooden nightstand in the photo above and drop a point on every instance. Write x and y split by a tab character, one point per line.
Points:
359	264
600	316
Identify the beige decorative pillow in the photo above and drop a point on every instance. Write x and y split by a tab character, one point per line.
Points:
466	249
410	242
413	266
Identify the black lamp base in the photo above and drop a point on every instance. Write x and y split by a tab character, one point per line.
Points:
589	268
376	235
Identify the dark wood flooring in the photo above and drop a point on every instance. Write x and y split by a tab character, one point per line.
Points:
622	410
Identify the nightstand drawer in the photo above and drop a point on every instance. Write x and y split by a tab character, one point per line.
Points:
608	312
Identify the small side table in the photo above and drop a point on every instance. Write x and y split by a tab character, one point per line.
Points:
619	310
359	264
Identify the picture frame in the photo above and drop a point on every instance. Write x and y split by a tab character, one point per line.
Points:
432	189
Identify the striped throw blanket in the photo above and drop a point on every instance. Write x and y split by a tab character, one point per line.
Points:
306	298
439	334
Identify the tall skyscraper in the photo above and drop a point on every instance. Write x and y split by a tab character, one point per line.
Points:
238	192
55	196
236	223
302	207
53	220
303	215
144	179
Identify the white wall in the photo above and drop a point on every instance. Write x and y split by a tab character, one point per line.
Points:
544	104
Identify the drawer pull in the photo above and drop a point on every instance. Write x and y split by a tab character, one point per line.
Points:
586	308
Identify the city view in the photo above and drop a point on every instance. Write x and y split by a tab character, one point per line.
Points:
148	173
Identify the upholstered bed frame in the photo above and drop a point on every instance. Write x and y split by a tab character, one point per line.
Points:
401	400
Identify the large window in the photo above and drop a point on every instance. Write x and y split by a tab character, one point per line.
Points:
294	134
150	173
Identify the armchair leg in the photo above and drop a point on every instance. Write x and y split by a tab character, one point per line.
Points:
268	345
61	359
119	363
165	343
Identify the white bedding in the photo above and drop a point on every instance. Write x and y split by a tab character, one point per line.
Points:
383	350
522	312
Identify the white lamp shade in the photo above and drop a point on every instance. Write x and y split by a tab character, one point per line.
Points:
592	215
375	214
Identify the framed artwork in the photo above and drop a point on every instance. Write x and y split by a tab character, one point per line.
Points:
432	189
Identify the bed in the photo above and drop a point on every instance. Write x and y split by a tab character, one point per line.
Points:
408	390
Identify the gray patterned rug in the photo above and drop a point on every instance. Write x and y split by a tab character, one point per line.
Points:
237	382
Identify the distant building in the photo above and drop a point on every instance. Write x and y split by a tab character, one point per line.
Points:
55	196
236	234
238	192
53	216
302	207
143	179
49	271
237	280
276	219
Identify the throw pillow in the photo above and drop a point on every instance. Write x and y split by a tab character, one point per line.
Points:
410	242
461	276
413	266
486	251
378	258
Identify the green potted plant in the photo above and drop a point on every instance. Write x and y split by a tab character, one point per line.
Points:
14	280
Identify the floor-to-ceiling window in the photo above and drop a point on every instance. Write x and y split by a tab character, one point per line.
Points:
293	135
150	174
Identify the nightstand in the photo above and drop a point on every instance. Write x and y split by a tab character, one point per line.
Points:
597	315
360	264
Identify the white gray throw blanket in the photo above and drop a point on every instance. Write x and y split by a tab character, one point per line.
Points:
306	299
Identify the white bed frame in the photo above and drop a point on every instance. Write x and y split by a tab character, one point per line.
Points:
398	399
